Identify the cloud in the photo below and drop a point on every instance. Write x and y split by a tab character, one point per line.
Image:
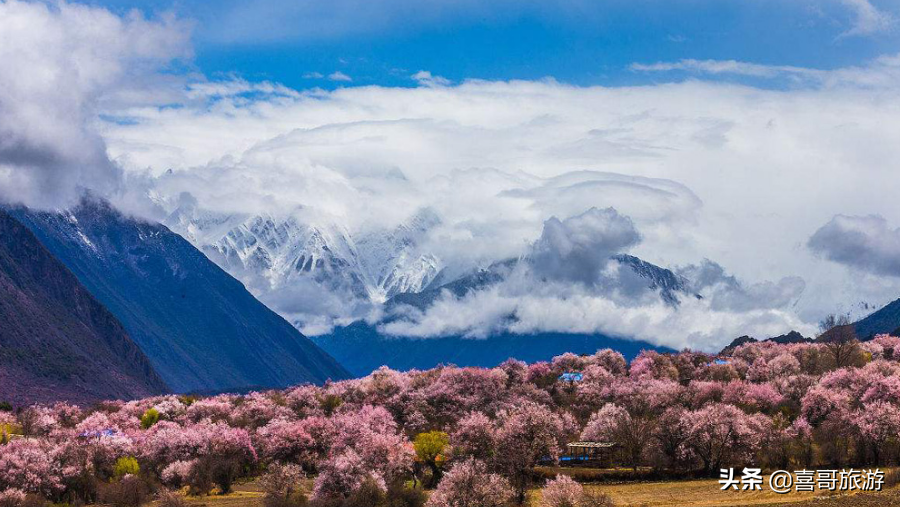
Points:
725	293
579	247
236	87
868	18
881	73
727	67
642	198
425	78
609	297
701	169
339	76
866	243
714	170
525	307
313	75
59	63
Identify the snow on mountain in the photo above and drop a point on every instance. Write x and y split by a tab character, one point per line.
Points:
272	253
297	262
669	284
393	258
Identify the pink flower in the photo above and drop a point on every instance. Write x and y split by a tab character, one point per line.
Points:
31	465
723	435
257	409
342	474
561	492
287	441
469	484
176	474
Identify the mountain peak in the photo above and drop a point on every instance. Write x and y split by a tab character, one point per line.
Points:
200	328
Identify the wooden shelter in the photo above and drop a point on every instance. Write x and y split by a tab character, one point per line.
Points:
598	454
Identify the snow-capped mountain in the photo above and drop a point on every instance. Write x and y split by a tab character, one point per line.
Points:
393	259
669	284
282	251
271	253
307	267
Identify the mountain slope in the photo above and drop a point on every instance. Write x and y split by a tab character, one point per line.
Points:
462	286
57	342
345	343
669	285
885	320
201	329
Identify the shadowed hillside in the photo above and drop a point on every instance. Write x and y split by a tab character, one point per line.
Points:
56	341
201	329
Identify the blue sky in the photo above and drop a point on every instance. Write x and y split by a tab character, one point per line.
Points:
574	41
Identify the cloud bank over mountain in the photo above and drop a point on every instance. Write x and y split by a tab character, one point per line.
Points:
58	63
578	248
674	173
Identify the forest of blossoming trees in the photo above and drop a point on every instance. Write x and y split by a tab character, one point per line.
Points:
472	436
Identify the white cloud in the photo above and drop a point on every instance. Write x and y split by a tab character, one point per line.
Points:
339	76
236	87
530	307
703	170
728	67
868	18
883	72
732	173
59	63
725	293
425	78
538	295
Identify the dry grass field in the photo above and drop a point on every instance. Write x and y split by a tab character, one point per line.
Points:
706	493
692	493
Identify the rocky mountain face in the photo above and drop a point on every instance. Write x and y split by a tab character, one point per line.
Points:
392	258
671	286
286	259
57	342
276	254
199	327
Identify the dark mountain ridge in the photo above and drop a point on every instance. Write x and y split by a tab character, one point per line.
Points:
791	337
885	320
403	353
200	328
57	342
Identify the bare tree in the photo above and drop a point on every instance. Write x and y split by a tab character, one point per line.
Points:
839	337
